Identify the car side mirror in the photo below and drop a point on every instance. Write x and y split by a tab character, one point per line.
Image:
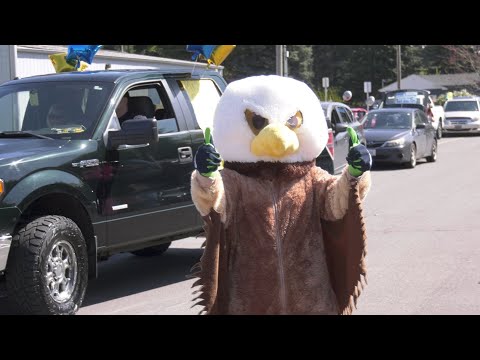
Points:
134	132
340	128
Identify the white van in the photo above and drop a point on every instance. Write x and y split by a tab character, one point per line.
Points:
462	115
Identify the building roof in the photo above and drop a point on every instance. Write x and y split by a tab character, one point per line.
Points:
454	79
430	82
110	54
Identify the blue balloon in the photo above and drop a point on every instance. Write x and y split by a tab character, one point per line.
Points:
82	53
203	50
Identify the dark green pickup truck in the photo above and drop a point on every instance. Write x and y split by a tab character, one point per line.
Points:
79	182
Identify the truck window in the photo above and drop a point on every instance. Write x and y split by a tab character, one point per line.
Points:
152	101
204	96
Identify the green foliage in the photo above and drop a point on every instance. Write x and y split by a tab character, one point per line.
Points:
333	94
441	99
346	66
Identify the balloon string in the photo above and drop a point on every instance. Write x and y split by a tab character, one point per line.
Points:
195	64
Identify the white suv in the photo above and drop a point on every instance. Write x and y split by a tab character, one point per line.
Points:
462	115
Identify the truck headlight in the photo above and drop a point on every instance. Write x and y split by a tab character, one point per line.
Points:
394	143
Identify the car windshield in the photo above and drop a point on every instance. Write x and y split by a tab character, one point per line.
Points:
388	120
58	110
461	106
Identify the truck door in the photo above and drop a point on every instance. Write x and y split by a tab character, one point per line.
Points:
150	188
198	99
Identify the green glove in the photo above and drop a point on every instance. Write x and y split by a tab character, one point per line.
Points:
207	160
359	158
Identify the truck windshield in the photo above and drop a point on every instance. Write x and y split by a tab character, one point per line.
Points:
461	106
58	110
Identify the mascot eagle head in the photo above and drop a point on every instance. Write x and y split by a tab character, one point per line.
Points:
270	119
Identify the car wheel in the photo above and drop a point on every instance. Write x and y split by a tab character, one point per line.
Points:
47	271
433	156
413	157
152	251
440	130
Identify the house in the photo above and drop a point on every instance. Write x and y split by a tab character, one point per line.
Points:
438	84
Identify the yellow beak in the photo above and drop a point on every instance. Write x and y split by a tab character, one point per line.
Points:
275	140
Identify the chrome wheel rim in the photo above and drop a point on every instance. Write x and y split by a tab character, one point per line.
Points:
61	271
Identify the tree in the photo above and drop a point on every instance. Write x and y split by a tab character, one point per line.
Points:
300	63
464	58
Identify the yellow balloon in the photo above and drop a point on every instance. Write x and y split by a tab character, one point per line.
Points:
220	53
60	63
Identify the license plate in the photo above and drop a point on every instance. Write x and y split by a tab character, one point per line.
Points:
458	126
372	152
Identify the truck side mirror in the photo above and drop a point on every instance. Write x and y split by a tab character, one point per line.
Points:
134	132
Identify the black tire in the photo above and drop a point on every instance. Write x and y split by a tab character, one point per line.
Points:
413	157
152	251
37	245
433	156
440	130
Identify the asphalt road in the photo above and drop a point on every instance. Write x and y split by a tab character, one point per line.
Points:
423	248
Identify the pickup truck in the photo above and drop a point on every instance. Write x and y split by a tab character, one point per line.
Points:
418	99
78	184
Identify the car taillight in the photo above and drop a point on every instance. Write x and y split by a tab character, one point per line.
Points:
330	146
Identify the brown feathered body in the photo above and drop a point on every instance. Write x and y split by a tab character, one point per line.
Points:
281	239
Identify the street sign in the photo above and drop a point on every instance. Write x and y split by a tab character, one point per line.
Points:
325	82
367	87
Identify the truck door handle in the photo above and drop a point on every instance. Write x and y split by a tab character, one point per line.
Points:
185	155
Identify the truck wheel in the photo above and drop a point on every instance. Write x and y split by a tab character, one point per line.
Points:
152	251
47	271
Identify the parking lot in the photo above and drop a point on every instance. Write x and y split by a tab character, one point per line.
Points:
423	255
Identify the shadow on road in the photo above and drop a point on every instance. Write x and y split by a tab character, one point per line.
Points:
127	274
387	166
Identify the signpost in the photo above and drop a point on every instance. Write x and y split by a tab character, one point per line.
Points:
325	84
367	88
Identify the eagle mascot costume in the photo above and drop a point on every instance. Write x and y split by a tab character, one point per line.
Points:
283	236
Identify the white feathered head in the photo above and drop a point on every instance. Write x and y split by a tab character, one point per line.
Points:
269	118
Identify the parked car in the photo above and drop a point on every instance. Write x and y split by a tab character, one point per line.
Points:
76	186
420	99
339	116
462	115
400	135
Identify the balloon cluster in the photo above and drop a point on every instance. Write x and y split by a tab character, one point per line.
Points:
213	54
76	59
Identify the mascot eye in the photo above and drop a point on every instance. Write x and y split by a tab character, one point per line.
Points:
255	122
295	121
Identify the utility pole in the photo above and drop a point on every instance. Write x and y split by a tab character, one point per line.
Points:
279	50
285	60
399	66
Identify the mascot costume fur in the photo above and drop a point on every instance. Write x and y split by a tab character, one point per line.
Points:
283	236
